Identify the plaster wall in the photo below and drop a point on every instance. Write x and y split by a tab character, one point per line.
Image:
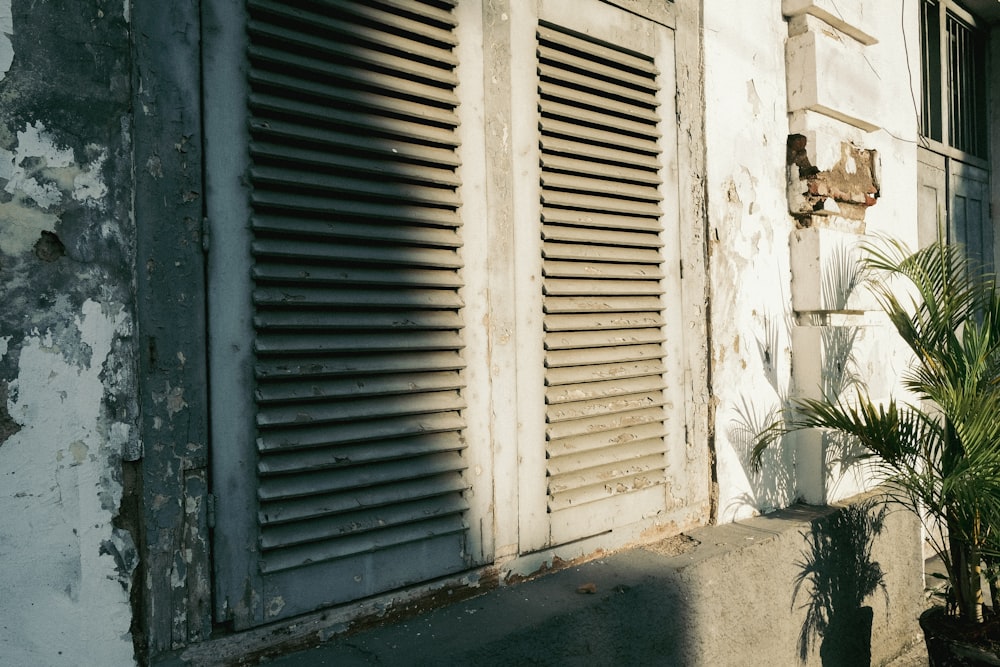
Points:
67	383
767	321
745	127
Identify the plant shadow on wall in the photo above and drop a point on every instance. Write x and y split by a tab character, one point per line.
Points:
936	455
843	273
841	574
772	484
771	476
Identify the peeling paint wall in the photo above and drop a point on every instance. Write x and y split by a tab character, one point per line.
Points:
67	379
745	127
103	409
776	94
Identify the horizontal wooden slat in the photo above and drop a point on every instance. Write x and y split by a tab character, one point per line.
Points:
321	458
618	140
335	434
600	440
604	153
333	47
337	14
319	297
362	521
406	153
429	125
331	184
308	507
426	11
386	170
375	385
614	172
609	422
602	492
598	372
590	72
358	477
647	228
602	270
617	58
602	355
603	465
378	212
588	246
419	28
319	230
396	362
566	110
352	320
351	342
596	322
554	89
396	97
598	288
315	275
596	304
398	255
355	545
599	204
347	410
600	391
584	410
600	186
570	340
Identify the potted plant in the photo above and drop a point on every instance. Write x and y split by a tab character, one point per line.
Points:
938	454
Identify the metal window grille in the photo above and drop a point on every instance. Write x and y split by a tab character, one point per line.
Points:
953	78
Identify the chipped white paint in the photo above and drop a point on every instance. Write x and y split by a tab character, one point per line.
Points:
40	177
88	185
750	85
61	596
745	80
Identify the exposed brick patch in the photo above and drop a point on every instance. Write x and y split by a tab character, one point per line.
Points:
845	189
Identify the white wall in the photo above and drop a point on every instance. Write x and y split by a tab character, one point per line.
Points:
839	81
746	128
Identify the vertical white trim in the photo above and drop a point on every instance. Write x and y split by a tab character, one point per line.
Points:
527	262
476	290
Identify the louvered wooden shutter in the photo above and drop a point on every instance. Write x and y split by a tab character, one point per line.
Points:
357	311
602	302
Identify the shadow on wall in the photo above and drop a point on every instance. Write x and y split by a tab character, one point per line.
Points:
841	575
773	483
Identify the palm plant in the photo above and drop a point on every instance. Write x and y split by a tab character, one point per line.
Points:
940	454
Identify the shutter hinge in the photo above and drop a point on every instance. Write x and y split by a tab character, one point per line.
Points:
211	510
204	235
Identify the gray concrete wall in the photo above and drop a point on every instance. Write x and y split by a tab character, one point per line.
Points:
718	596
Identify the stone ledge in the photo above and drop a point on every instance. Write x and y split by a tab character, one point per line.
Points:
712	597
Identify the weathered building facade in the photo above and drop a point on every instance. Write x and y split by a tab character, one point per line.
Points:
311	309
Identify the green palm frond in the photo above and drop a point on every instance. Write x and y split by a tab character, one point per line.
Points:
941	453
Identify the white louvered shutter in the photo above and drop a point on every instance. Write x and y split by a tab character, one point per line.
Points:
356	308
603	283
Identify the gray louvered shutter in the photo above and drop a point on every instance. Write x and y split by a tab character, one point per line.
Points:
601	261
356	298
